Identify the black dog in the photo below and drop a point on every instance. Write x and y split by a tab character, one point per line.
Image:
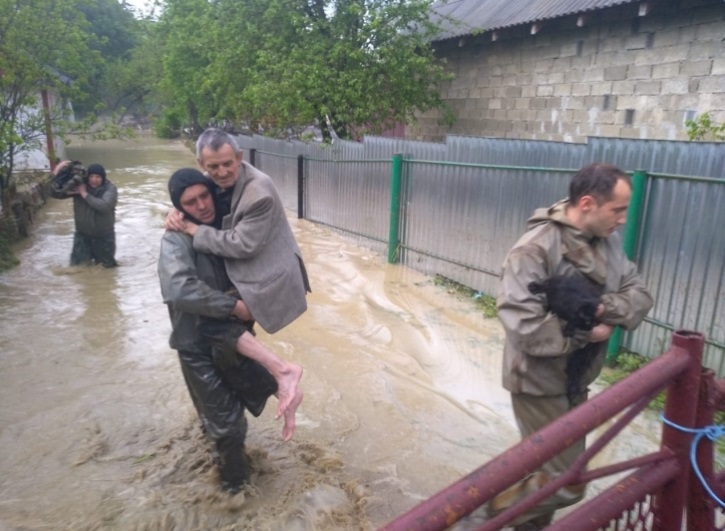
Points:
574	299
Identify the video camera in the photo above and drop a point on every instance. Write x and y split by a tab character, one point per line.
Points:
69	177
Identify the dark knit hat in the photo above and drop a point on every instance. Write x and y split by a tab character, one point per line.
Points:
97	169
181	179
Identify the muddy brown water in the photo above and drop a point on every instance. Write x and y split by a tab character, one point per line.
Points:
97	431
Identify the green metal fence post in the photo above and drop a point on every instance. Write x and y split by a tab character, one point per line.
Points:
631	231
394	235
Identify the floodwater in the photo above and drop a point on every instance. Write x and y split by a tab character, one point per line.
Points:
97	431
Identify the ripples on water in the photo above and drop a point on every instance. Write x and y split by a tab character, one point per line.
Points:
402	392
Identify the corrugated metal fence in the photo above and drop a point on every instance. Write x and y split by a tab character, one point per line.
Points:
464	204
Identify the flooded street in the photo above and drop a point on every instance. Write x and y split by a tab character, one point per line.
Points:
97	430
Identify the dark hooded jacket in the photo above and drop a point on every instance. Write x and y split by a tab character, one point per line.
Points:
193	284
96	214
187	296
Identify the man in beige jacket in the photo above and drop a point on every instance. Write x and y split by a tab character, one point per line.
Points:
576	234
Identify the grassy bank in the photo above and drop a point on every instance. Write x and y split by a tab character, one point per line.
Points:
485	303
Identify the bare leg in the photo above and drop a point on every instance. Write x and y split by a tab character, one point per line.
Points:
289	417
286	373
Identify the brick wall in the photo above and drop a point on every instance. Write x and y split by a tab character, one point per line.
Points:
620	75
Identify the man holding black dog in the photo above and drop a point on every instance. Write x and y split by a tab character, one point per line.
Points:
577	235
94	211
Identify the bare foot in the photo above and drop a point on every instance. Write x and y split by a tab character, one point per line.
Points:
289	416
287	381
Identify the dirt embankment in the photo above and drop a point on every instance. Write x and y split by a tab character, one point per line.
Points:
20	201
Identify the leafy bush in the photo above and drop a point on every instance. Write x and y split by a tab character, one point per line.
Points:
703	128
168	125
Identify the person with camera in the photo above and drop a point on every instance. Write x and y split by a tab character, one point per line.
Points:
94	211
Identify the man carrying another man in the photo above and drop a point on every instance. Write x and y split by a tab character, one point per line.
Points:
259	249
222	383
237	214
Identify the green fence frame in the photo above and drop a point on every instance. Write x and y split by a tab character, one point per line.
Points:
632	231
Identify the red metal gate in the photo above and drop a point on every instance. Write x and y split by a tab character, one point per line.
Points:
662	492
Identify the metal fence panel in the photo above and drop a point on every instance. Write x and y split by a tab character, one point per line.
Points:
459	218
511	152
349	191
703	159
278	159
246	143
460	221
682	252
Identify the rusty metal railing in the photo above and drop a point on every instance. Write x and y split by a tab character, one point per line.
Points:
654	495
703	512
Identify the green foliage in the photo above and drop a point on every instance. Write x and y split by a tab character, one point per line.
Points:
188	30
112	24
169	124
44	46
127	86
483	302
625	364
704	128
355	65
113	35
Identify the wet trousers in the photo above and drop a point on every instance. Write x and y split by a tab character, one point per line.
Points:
96	249
220	410
252	382
533	413
212	381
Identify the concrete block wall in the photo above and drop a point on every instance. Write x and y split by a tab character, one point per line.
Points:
620	75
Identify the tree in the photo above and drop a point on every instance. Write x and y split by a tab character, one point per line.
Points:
185	28
43	45
130	85
357	65
110	86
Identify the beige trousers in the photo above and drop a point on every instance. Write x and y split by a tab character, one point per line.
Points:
533	413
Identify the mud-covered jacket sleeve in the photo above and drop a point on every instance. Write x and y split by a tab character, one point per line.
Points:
628	306
530	328
246	239
180	285
106	202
